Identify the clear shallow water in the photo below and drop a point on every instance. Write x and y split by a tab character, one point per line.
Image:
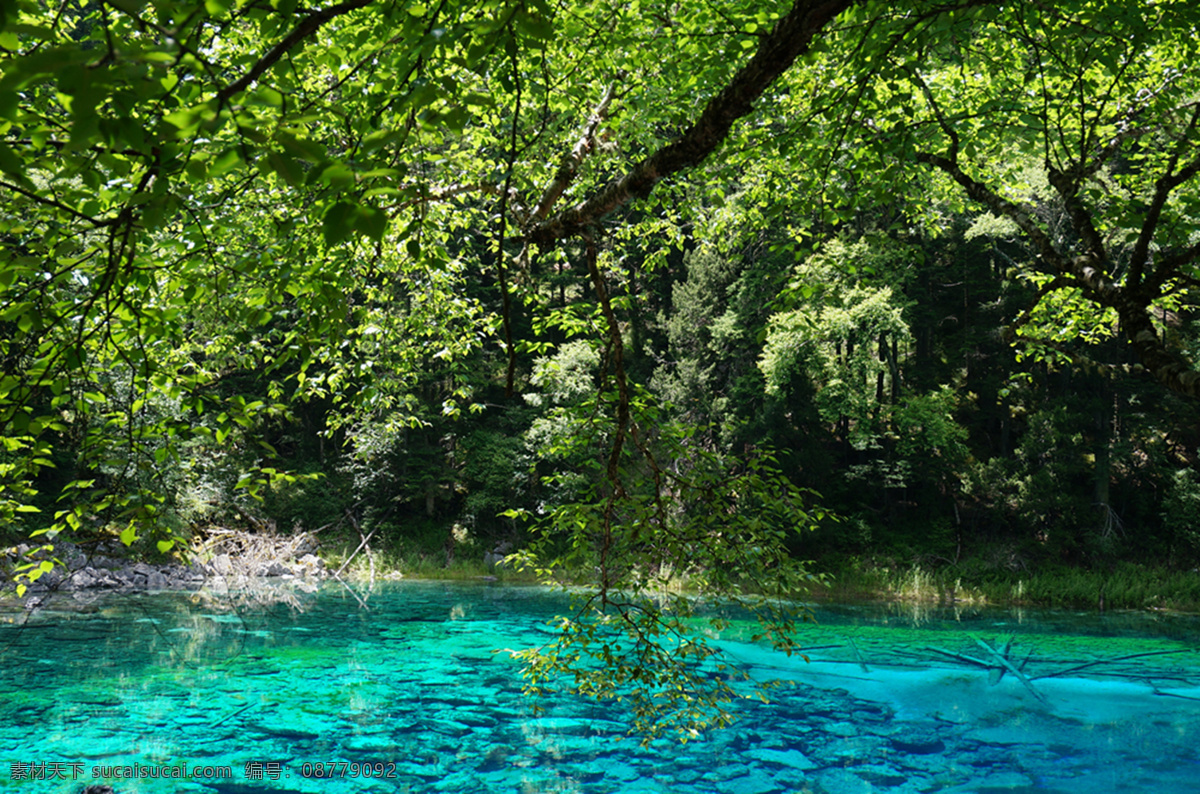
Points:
893	700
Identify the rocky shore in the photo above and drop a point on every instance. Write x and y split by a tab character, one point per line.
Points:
231	559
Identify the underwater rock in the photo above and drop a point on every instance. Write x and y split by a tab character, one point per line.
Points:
881	775
475	720
730	771
918	743
841	781
560	725
282	730
618	770
1003	735
1001	781
376	743
451	728
686	775
756	782
429	772
792	780
792	759
843	729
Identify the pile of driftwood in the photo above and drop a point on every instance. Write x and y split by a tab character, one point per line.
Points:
252	569
265	552
238	554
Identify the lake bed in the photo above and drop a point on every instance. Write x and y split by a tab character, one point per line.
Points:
408	687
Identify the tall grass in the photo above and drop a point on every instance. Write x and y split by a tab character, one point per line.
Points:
1126	586
1123	586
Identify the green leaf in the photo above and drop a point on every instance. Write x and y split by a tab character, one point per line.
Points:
9	103
267	96
301	147
11	164
197	169
535	26
381	138
132	6
225	162
371	222
286	167
337	176
337	224
185	120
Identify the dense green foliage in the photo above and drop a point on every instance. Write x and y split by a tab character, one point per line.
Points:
625	285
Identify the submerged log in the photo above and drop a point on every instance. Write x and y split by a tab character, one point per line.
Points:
858	657
1024	679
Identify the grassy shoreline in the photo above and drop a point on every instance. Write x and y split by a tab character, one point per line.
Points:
1120	585
1123	586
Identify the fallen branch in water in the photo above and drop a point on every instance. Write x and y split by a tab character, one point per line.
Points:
346	585
232	714
1086	665
364	544
1158	691
962	657
1024	679
858	657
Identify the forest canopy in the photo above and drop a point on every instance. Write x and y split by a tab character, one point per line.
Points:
650	275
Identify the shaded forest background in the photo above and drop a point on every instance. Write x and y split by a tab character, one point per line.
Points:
880	367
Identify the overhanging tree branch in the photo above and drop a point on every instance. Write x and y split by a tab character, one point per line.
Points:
569	167
308	26
32	196
1089	272
1162	191
431	195
778	50
1081	219
1020	214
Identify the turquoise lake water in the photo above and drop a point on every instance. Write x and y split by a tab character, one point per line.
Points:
406	692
